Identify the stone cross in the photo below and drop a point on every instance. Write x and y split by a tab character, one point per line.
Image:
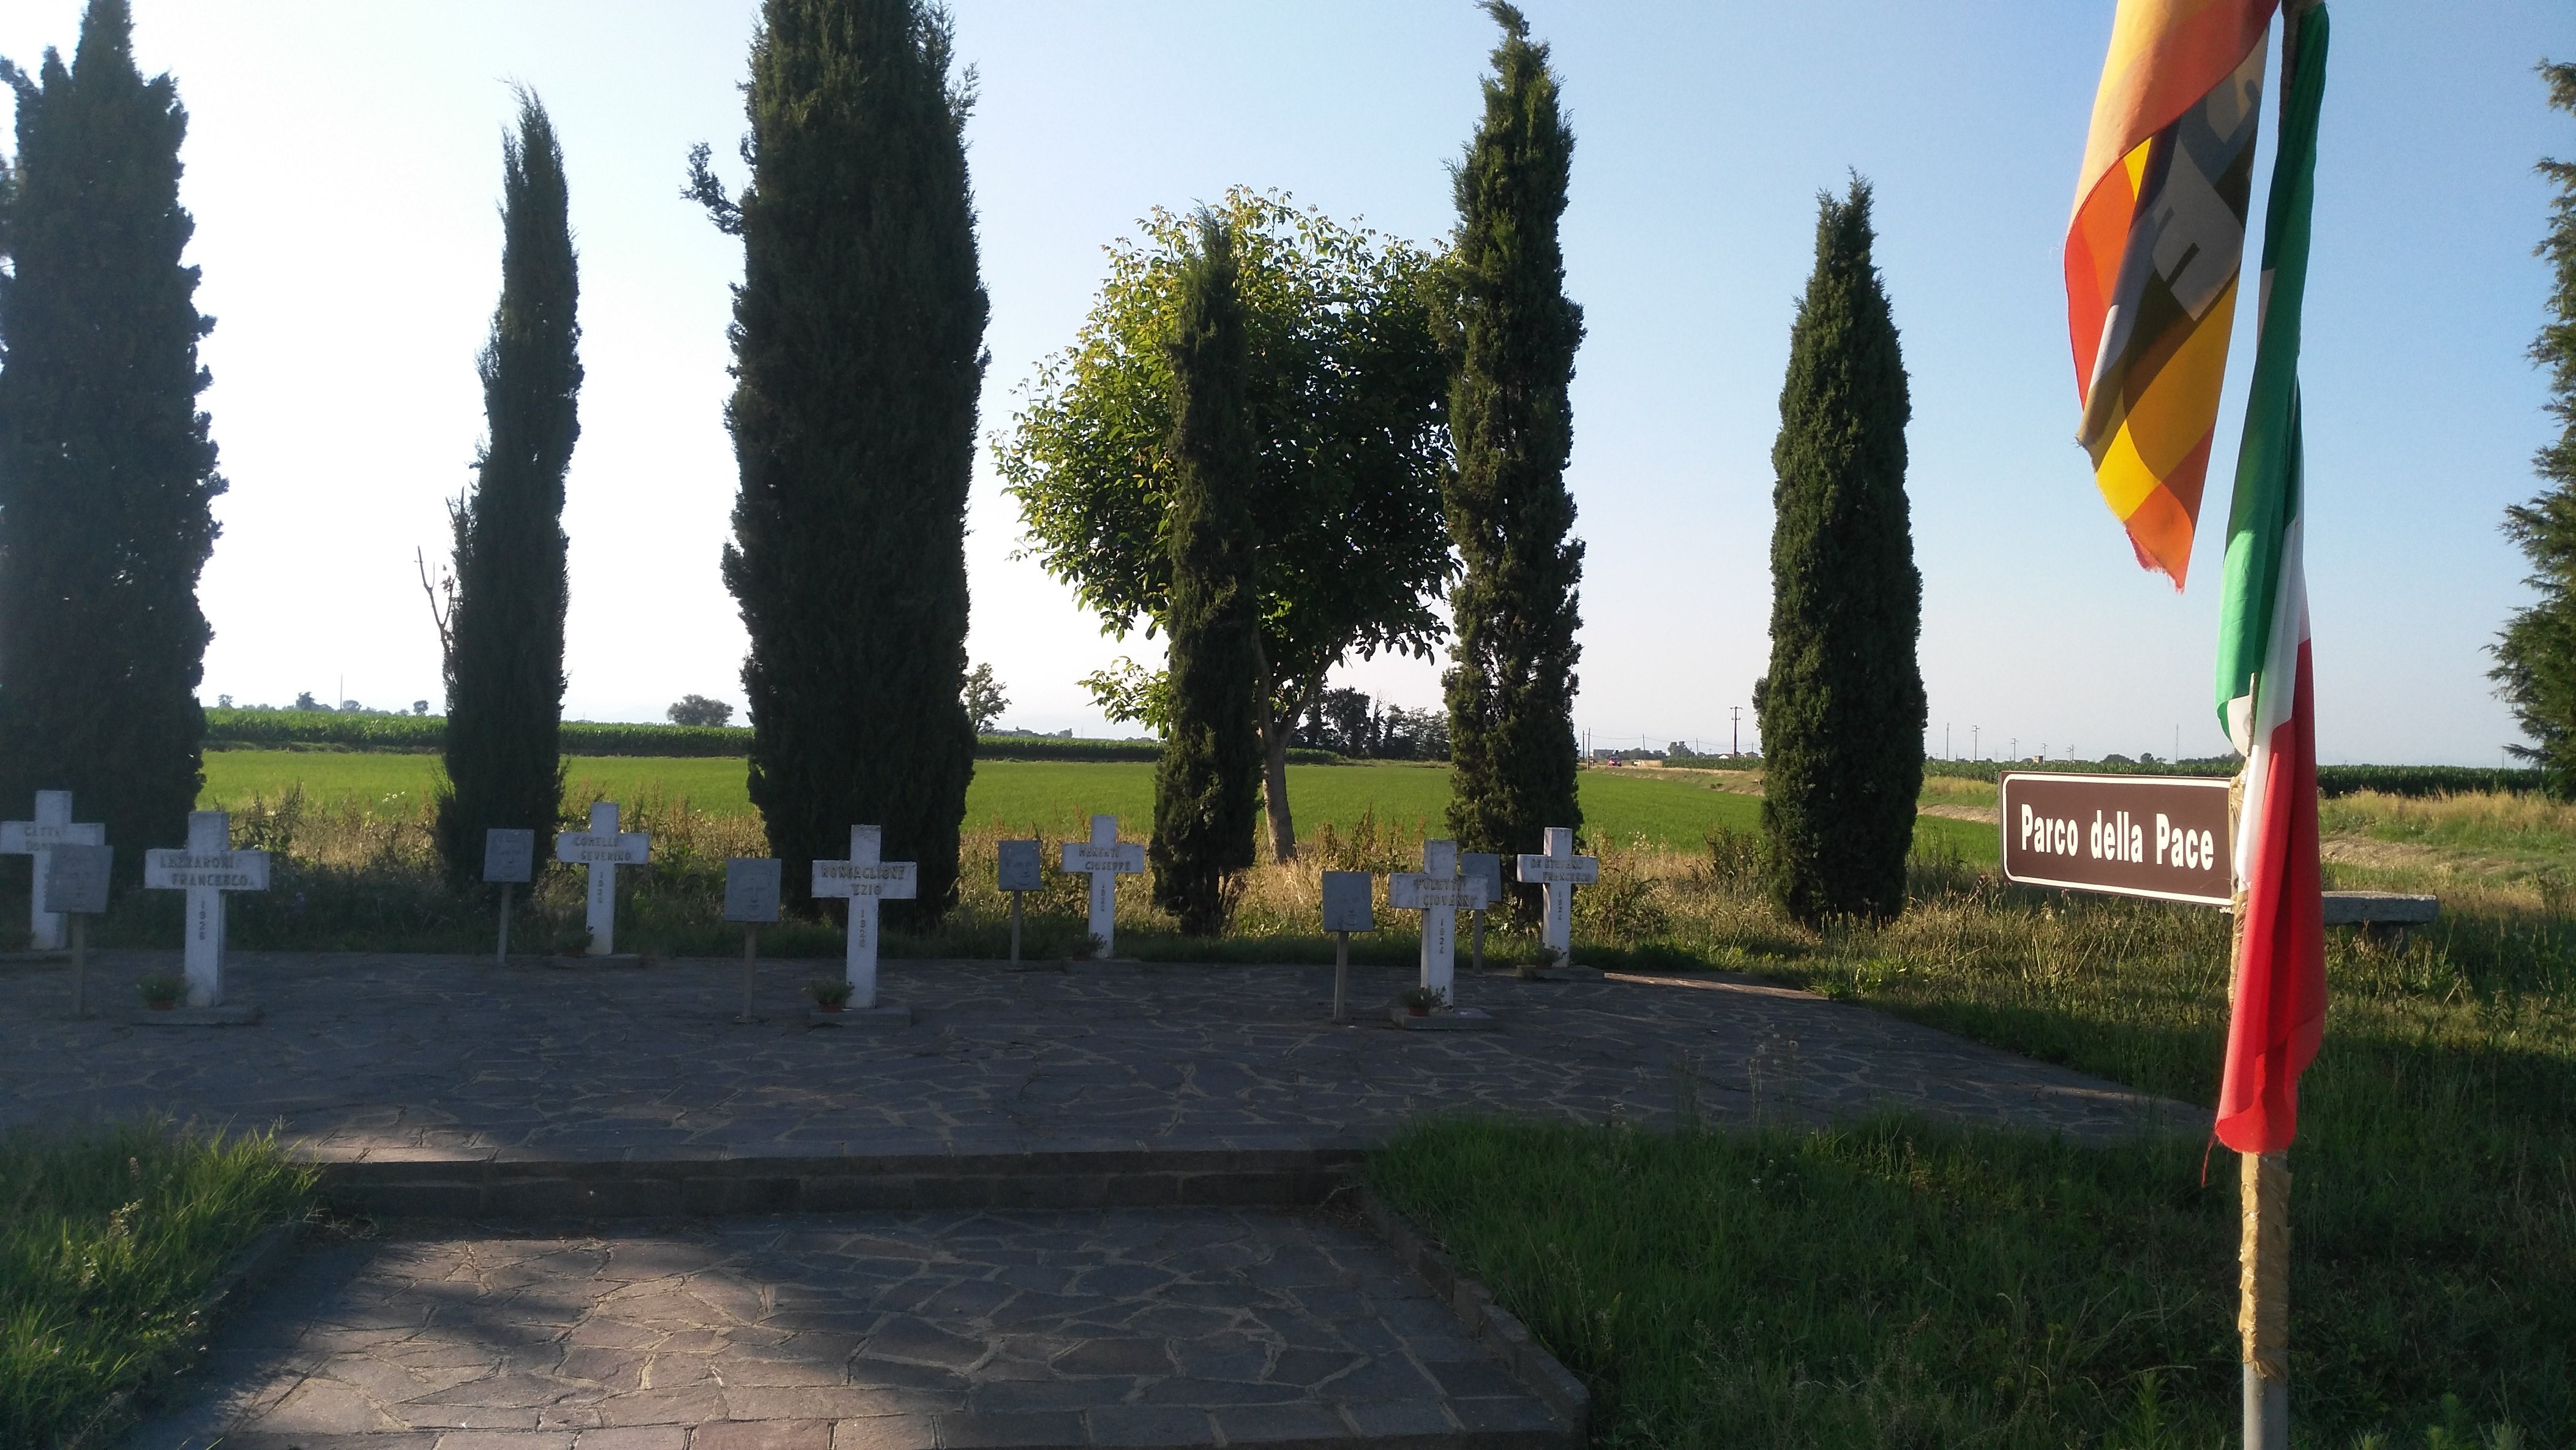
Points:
602	849
1106	858
866	881
206	870
1438	892
1560	871
53	826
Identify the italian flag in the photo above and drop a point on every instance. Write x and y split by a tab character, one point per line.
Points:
2266	695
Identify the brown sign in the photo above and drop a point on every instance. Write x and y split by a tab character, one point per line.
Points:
2132	835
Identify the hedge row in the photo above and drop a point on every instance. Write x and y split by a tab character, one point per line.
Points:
425	734
2332	780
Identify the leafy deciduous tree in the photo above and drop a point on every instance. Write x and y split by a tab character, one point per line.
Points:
984	699
1343	387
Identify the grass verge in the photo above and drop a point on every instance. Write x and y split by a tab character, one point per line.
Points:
106	1243
1884	1284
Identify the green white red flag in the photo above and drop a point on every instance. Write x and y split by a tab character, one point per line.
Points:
2266	691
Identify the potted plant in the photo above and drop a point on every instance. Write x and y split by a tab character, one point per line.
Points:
161	990
830	994
1418	1001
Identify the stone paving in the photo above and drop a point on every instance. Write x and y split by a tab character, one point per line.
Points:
369	1058
859	1332
378	1056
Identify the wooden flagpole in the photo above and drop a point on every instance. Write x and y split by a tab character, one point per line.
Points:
2263	1298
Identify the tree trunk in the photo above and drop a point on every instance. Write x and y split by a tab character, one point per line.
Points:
1274	780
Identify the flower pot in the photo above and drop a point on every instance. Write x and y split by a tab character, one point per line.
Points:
828	1006
159	1006
1417	1011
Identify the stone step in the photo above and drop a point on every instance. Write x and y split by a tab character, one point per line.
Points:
880	1331
521	1184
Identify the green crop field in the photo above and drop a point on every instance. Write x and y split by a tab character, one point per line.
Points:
1050	795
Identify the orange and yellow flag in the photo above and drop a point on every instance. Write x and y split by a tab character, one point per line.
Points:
2153	251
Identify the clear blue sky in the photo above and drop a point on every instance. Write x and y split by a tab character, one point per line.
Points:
343	166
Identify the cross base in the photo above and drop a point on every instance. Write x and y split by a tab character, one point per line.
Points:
589	959
237	1016
1443	1019
884	1016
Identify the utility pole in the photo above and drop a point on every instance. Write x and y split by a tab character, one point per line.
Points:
1945	741
1735	718
1975	752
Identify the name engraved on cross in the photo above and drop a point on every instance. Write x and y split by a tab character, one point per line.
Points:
1106	858
601	850
206	869
866	881
1560	871
53	826
1438	892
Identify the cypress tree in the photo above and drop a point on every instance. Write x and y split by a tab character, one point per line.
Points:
1513	332
1842	706
2536	654
1207	787
858	353
107	474
504	666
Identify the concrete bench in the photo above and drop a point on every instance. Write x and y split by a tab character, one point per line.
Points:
2381	915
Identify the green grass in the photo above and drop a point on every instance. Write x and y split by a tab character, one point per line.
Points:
105	1246
1053	796
2434	1213
1887	1284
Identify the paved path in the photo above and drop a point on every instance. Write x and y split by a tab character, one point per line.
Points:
860	1332
381	1057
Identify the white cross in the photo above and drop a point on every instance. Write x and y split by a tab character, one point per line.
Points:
867	881
206	870
53	826
1560	870
1106	858
1437	891
603	848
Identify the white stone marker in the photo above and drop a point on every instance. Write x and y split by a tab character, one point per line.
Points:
206	870
53	826
1106	858
602	849
1438	892
866	881
1560	871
